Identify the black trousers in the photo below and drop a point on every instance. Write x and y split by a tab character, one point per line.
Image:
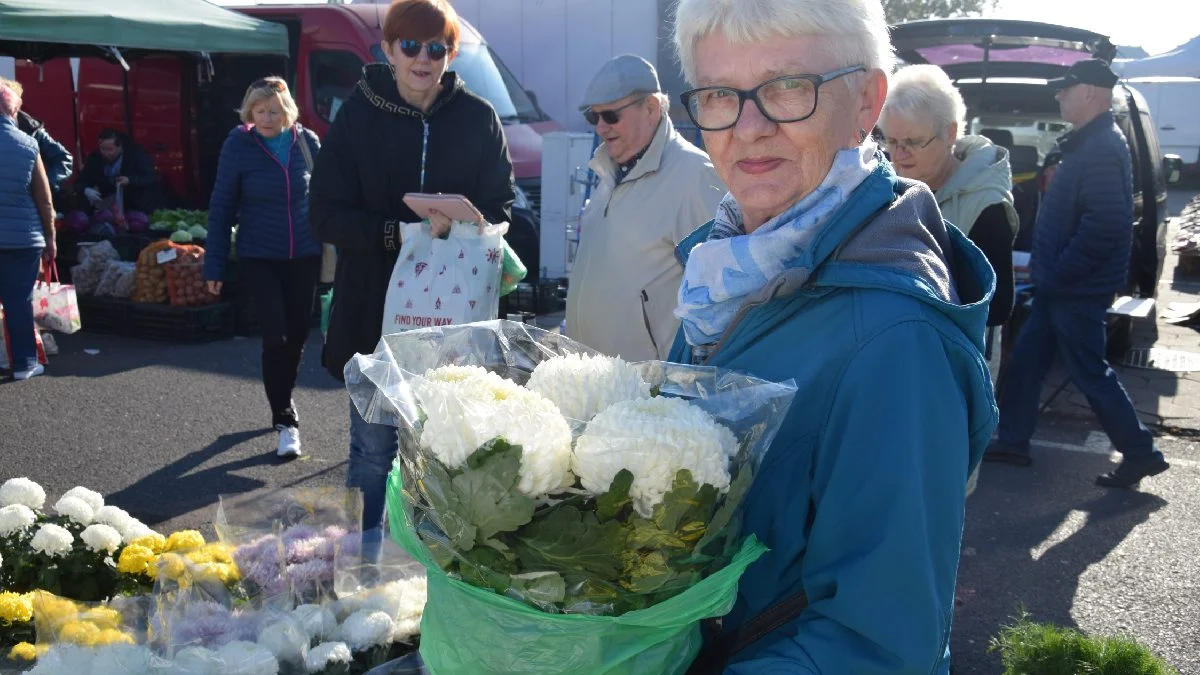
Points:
282	292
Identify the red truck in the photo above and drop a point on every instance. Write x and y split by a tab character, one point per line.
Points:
182	107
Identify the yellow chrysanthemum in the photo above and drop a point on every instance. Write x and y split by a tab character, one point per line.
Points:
173	567
23	651
199	557
221	553
15	608
79	632
103	617
223	572
155	542
112	636
184	540
136	559
53	609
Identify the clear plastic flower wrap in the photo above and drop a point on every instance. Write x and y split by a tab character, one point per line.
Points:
62	621
615	529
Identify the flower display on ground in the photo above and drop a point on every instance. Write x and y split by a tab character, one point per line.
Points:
22	491
52	540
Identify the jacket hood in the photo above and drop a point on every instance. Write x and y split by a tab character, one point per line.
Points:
377	88
890	235
28	123
984	168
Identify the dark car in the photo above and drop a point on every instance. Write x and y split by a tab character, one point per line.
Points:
1001	68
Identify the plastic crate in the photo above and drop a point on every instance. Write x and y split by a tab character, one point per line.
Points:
104	315
181	324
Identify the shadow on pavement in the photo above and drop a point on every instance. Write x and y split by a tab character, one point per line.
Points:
177	489
1030	534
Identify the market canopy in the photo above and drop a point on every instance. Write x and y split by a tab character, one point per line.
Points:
43	29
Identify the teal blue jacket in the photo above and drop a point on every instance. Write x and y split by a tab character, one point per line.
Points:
861	495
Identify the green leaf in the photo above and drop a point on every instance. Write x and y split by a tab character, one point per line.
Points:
687	508
610	504
563	538
437	488
487	491
588	595
644	534
649	572
721	520
542	589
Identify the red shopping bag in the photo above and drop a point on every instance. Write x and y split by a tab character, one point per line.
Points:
6	353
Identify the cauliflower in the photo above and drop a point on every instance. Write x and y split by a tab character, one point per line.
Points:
583	386
653	438
467	406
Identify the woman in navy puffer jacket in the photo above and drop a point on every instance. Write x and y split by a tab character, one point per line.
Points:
262	185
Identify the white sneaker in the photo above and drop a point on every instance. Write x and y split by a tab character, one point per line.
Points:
289	442
32	372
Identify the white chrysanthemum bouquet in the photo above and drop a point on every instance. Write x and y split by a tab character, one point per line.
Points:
568	482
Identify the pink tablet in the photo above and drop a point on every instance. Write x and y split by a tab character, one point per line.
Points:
455	207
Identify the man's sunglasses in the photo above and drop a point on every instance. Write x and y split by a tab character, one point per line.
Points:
270	83
412	49
609	116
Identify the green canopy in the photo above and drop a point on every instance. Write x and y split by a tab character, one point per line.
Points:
42	29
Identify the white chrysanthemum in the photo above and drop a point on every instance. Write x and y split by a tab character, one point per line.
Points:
94	499
316	620
326	654
467	406
120	659
195	660
285	639
653	438
403	600
52	540
76	509
15	518
582	386
247	658
114	516
22	491
101	538
63	659
135	529
367	628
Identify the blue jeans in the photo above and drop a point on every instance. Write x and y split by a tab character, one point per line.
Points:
18	274
1075	330
373	447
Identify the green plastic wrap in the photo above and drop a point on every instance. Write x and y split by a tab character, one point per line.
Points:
466	629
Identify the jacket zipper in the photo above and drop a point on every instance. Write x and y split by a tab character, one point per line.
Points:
646	320
287	179
424	149
713	349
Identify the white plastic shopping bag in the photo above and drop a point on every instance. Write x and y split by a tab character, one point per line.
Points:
55	306
442	282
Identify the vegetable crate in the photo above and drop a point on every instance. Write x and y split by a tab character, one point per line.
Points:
181	324
104	315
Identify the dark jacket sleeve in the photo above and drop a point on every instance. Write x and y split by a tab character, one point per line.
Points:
92	175
495	196
140	167
59	163
1105	220
222	212
336	208
993	235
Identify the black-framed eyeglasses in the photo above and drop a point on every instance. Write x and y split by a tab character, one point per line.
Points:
609	116
791	98
907	144
274	83
412	49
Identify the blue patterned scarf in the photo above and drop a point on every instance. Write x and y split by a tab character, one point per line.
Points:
731	265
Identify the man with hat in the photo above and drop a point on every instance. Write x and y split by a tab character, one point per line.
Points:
1081	251
654	189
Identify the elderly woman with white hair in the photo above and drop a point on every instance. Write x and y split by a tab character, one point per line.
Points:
923	122
824	267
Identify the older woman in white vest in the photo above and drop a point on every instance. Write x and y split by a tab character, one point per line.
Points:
923	122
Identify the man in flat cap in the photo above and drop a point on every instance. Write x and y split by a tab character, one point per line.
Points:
1081	250
655	189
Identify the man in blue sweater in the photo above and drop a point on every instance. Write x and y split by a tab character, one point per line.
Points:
1081	252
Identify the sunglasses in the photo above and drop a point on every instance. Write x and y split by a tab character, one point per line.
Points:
412	49
270	83
610	117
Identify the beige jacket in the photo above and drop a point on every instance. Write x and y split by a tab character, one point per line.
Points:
625	283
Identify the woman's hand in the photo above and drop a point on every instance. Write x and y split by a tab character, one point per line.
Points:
214	287
50	252
440	224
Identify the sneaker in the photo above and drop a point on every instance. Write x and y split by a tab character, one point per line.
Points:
289	442
1129	472
26	374
1003	454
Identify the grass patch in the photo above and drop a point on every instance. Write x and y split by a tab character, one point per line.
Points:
1028	648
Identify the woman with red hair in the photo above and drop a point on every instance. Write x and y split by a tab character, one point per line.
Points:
409	126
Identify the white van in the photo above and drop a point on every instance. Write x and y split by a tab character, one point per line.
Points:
1175	105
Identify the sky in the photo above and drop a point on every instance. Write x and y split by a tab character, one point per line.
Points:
1156	25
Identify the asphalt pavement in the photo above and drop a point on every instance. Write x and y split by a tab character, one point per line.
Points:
163	430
